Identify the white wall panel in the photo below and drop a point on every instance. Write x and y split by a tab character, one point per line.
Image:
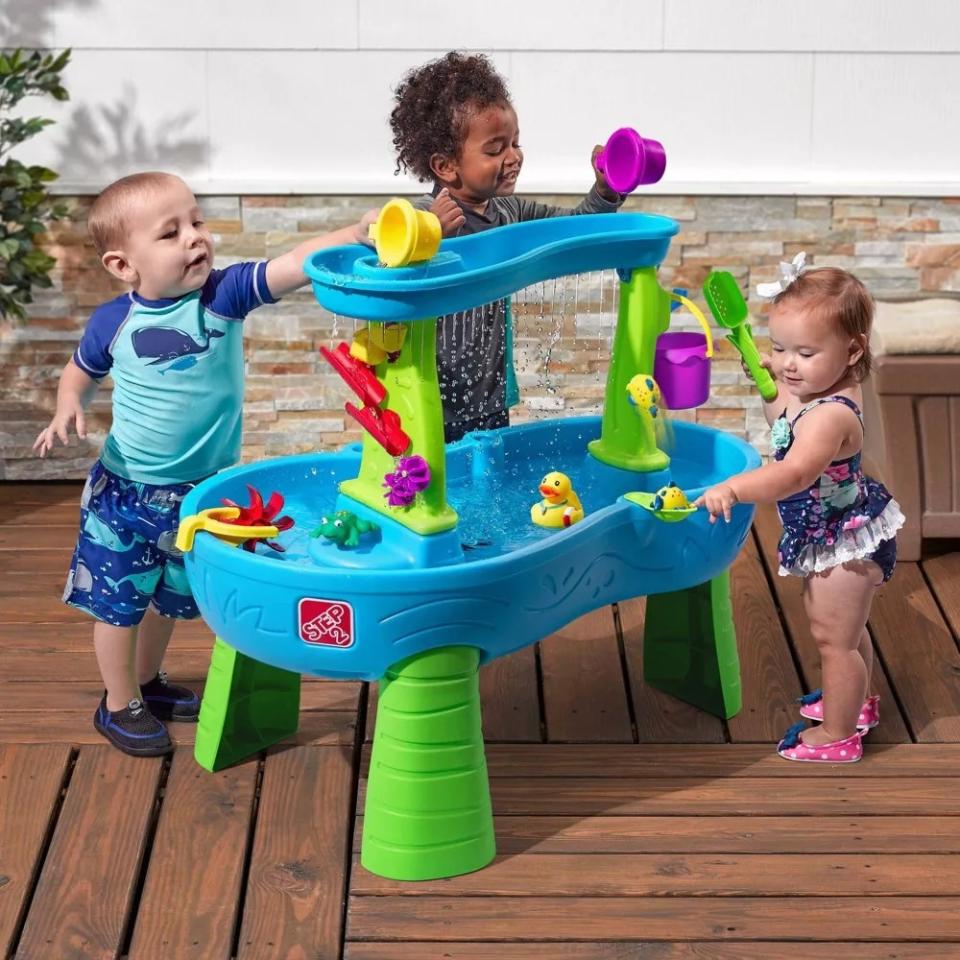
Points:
893	117
720	118
878	25
129	110
187	24
513	25
750	96
307	117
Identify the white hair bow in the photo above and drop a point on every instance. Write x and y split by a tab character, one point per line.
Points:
788	273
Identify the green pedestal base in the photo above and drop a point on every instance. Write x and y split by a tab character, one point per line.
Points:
247	705
690	647
428	811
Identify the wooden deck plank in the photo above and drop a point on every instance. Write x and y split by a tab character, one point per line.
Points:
920	654
27	503
811	835
77	636
943	574
651	950
327	727
655	918
338	695
660	717
25	600
30	784
756	796
687	874
584	694
604	760
16	563
23	666
40	537
188	908
788	592
297	883
510	699
768	676
85	892
748	797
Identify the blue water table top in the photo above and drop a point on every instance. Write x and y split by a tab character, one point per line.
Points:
511	584
470	271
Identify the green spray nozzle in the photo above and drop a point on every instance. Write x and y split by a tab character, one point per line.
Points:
729	309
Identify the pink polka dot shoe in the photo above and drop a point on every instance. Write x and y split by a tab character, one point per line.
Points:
791	747
811	707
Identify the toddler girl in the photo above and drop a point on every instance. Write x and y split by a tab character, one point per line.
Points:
839	526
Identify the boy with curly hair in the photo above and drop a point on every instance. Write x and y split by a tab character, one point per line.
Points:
453	124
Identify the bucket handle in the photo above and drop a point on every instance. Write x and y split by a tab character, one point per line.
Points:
701	319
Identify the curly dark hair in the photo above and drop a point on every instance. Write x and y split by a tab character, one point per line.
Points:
433	103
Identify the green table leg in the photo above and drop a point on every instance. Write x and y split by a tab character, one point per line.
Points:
428	811
690	647
247	705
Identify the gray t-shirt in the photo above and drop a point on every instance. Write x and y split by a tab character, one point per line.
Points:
471	345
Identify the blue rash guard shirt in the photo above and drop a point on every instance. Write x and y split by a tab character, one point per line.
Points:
177	368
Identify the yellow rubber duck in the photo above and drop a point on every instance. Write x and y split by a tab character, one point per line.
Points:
670	497
560	506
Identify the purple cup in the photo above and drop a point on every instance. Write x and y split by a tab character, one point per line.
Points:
681	368
628	160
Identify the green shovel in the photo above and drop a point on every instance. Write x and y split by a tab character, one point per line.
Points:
729	309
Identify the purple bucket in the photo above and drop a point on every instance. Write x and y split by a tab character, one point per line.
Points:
681	368
628	160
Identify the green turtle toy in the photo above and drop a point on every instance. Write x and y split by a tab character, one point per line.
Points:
344	529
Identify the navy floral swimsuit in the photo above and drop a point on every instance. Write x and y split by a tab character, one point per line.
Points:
843	516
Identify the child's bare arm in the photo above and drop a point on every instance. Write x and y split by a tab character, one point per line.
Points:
285	273
814	448
74	390
771	408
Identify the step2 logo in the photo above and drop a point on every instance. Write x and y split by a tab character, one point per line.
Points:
327	623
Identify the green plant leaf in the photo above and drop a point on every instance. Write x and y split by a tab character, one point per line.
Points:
25	205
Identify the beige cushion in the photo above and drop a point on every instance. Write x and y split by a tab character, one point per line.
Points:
917	326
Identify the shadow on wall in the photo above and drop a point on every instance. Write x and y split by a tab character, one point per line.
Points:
29	23
102	143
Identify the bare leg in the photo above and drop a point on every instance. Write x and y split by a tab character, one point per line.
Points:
838	603
115	649
866	651
152	639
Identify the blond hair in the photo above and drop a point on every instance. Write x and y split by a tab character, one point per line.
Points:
842	299
108	217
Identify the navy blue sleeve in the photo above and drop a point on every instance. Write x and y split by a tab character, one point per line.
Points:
232	293
94	352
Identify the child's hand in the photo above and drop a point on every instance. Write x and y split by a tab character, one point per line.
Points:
59	426
363	227
718	500
448	212
766	361
603	187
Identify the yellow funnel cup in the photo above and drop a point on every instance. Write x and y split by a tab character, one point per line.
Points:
212	521
405	235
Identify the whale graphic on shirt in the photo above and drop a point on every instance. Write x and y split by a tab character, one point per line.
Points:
168	343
